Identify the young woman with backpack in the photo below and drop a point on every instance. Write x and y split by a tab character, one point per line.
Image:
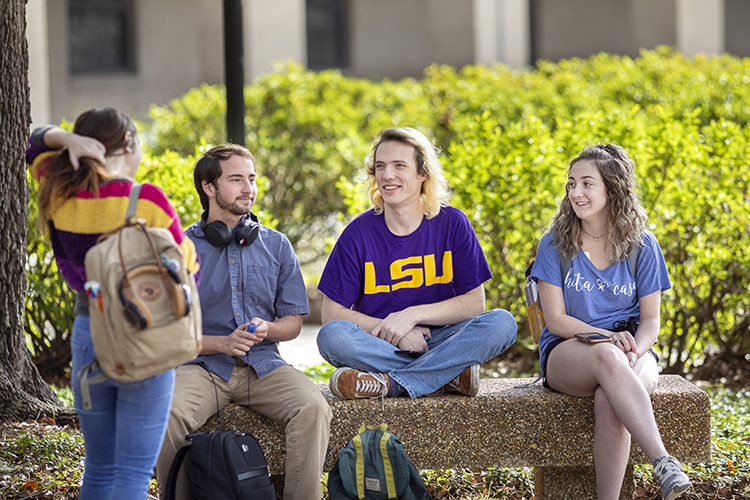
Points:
599	223
84	180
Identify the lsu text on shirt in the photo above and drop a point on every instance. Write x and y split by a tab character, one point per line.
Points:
376	272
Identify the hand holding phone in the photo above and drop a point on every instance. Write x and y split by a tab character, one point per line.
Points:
592	338
409	354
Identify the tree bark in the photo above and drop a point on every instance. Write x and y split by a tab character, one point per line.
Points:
23	393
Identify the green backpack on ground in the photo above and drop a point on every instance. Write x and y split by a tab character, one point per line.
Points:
374	466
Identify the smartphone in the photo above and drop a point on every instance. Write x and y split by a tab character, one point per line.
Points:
592	338
410	354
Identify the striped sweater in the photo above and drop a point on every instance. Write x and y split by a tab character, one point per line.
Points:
75	226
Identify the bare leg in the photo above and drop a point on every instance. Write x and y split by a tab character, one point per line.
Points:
621	402
611	448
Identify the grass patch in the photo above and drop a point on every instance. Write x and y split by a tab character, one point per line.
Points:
37	459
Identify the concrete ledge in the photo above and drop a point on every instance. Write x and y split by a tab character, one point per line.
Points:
503	426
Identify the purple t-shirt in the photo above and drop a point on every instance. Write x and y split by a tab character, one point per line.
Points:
376	272
601	298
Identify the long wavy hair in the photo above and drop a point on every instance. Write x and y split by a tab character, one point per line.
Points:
62	182
434	189
626	220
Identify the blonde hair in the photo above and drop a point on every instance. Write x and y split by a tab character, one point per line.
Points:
626	220
434	189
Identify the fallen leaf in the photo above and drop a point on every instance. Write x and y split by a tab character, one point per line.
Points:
31	486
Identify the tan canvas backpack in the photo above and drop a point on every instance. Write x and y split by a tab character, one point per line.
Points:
144	309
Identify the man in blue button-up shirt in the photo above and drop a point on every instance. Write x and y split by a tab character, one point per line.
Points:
252	297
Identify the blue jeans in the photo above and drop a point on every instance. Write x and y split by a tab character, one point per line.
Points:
452	349
123	431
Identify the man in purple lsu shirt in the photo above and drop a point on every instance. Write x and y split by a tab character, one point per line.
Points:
404	302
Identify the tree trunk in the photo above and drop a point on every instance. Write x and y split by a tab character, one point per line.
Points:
23	393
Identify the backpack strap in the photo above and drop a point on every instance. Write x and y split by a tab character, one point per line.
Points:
529	384
390	481
84	375
360	464
135	192
564	260
174	469
633	258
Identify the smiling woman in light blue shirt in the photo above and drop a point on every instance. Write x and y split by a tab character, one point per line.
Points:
600	223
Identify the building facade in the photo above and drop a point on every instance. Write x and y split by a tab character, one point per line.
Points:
130	54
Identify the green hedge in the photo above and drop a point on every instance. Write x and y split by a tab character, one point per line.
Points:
694	180
508	136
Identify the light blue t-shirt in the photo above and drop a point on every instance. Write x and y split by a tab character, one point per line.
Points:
601	298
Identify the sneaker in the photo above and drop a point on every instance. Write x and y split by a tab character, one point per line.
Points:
672	480
467	383
348	383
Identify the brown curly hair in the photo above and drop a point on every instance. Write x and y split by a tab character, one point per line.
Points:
627	219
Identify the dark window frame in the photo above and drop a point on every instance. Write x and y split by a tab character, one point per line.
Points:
88	61
337	13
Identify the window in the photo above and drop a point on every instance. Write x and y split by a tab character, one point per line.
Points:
326	34
101	36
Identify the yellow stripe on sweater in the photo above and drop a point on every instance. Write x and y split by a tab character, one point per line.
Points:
99	215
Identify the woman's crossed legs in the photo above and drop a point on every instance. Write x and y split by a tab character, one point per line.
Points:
622	406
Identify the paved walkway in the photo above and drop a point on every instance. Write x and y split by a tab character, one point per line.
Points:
302	351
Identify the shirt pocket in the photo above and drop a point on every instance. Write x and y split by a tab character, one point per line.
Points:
260	285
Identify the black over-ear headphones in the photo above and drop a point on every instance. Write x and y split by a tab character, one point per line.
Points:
219	234
137	312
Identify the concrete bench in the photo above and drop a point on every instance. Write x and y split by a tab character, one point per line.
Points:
503	426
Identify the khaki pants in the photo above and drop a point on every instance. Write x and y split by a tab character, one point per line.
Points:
285	395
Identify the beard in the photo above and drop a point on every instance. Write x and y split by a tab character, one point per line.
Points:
232	206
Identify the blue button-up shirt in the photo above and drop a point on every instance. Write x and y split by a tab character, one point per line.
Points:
270	286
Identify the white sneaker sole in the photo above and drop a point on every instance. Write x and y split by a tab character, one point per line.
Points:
333	383
677	492
474	387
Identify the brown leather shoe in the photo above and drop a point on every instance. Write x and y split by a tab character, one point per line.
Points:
467	383
348	383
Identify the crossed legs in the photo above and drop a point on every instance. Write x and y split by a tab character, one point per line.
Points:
622	405
452	349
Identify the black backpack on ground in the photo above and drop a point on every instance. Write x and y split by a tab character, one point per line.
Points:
223	465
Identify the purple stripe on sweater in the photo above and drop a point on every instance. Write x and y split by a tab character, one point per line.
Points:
33	151
36	143
70	252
